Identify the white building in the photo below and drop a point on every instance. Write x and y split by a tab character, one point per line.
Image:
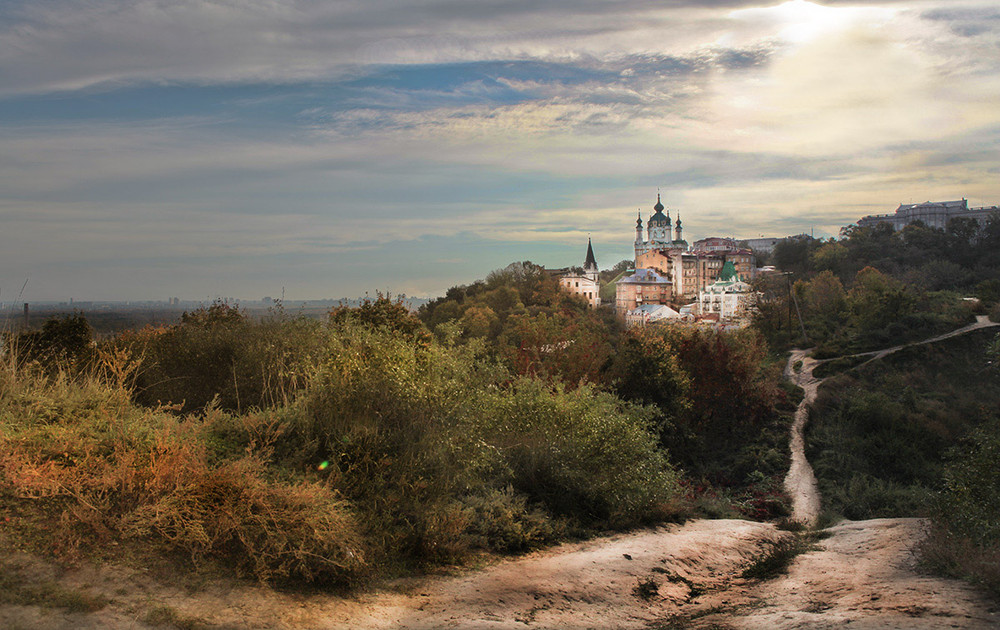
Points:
934	214
585	285
728	297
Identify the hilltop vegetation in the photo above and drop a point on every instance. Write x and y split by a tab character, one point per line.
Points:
387	450
878	287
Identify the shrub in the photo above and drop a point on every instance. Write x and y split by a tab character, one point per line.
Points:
63	342
443	452
216	353
965	539
115	470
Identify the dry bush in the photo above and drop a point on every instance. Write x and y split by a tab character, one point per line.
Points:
959	556
116	470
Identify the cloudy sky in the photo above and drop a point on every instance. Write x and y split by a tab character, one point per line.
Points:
203	148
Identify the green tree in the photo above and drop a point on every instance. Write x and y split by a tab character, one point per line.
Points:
877	300
62	342
382	312
832	256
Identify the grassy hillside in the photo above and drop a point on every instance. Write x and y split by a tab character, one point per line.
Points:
879	434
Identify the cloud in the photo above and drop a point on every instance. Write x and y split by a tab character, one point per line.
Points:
65	45
273	138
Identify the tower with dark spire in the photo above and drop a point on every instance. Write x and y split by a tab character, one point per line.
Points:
661	233
590	264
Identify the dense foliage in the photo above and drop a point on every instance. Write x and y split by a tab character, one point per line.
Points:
877	286
507	415
879	433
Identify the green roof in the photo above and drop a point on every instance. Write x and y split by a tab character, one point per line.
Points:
728	271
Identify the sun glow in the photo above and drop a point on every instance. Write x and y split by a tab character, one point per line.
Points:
800	21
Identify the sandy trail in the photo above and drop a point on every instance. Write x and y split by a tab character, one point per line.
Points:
863	576
581	585
982	321
573	586
800	482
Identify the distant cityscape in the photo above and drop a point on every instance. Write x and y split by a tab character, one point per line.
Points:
672	279
709	281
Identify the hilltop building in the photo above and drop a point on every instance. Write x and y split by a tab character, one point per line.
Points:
652	313
658	232
583	284
764	245
670	272
645	286
934	214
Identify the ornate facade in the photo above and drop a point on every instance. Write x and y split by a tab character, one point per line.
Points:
658	232
669	272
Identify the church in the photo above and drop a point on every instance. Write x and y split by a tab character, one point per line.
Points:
658	232
668	271
584	284
708	280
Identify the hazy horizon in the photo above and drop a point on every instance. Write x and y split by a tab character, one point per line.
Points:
196	148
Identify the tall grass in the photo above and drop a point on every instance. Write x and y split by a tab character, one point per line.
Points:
117	471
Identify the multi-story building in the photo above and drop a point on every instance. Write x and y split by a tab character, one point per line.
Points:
685	271
934	214
651	314
764	245
645	286
728	298
715	244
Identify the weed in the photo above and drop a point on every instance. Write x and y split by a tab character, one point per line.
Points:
787	524
775	560
17	590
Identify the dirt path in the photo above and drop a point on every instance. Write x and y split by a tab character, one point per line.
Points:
982	321
800	482
593	584
863	576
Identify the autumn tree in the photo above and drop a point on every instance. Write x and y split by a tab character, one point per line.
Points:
877	300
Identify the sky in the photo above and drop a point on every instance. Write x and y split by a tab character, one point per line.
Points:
246	148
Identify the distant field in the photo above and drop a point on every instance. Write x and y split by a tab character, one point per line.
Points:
110	318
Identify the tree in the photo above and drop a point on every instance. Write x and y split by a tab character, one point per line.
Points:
823	296
61	339
220	313
876	300
832	256
382	312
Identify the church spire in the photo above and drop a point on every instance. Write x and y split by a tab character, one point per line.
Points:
590	262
